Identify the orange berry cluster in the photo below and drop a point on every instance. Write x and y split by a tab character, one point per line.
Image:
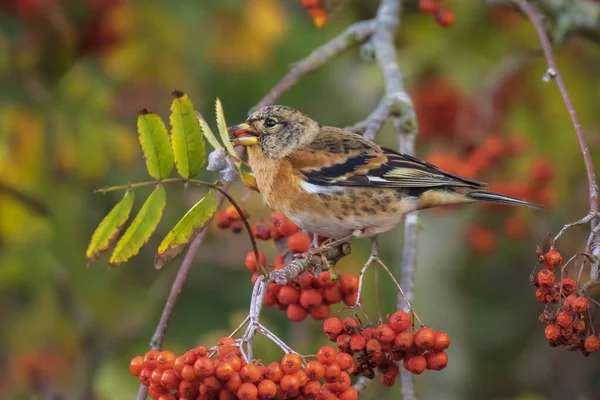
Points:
195	375
442	15
379	348
566	325
312	295
230	219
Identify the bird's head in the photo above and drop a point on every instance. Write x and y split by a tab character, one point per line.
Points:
277	130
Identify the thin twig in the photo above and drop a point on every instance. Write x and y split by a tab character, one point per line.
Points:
353	35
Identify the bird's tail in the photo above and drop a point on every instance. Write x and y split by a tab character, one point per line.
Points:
481	195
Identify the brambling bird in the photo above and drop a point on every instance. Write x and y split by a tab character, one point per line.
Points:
335	183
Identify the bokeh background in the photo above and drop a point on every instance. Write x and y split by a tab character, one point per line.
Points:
73	74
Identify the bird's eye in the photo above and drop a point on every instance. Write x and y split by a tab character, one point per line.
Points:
270	122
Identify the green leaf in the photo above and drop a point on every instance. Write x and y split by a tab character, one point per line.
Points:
208	133
222	125
155	143
186	229
108	230
186	136
141	228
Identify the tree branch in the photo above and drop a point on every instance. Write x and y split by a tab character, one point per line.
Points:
554	73
353	35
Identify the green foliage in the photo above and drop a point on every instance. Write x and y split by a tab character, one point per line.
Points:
155	143
186	229
141	228
186	137
108	230
222	126
208	133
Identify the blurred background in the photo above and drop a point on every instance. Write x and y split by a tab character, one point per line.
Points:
73	74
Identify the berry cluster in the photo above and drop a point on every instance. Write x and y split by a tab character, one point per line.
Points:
312	295
230	219
197	375
566	325
442	15
379	348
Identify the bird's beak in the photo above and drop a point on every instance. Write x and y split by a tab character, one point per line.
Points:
242	134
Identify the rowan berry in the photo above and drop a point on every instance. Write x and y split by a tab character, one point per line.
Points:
156	375
591	344
288	295
167	396
150	358
400	321
345	361
267	389
373	347
234	382
332	372
155	391
274	372
320	312
404	340
136	365
349	284
223	371
169	379
298	243
415	364
333	326
368	333
222	219
343	342
324	280
286	227
442	341
567	286
350	299
187	373
234	360
579	325
341	383
312	389
314	370
350	325
429	6
189	357
310	298
276	216
552	332
203	367
226	394
349	394
580	304
210	385
302	377
260	230
437	361
145	376
236	226
564	318
326	355
188	390
166	360
251	260
250	373
296	313
385	334
552	259
291	363
546	277
332	294
305	280
425	338
233	214
357	343
289	383
247	391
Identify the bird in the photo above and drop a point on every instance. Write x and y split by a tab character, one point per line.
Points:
335	183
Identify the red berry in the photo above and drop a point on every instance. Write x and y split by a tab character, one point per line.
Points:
251	260
579	325
166	360
345	361
333	326
262	231
267	389
349	284
429	6
288	295
546	277
247	391
296	313
324	280
444	17
250	373
437	361
403	340
425	338
567	286
326	355
274	372
415	364
223	371
145	376
564	318
332	294
310	298
233	214
400	321
276	216
343	342
442	341
332	372
222	219
236	226
358	343
286	227
289	383
321	312
552	259
350	325
314	370
385	334
169	380
591	344
552	332
298	242
291	363
580	305
150	358
136	365
305	280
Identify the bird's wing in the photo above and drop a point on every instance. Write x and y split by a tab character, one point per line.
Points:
341	158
